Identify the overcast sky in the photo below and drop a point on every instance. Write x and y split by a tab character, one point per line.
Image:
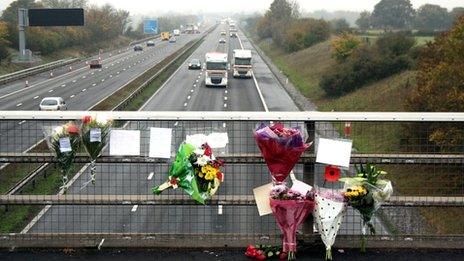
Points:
156	6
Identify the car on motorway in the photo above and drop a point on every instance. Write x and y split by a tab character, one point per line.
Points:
95	63
172	40
223	32
222	40
150	43
138	47
52	104
194	64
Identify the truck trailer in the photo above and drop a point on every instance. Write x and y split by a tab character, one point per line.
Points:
216	69
242	66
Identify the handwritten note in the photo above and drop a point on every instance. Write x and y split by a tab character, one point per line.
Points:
95	135
125	143
334	152
65	144
262	195
160	143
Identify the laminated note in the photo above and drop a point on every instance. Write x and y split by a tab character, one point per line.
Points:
334	152
160	143
125	143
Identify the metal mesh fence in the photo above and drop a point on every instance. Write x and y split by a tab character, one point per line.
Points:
424	160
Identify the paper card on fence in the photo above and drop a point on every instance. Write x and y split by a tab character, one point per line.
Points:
215	140
125	143
65	144
95	135
262	199
160	143
334	152
301	187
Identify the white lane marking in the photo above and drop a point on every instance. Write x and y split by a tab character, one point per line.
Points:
83	90
83	77
94	84
150	176
101	244
72	96
191	90
225	91
225	98
36	97
100	70
21	122
63	85
19	104
92	73
188	97
103	80
111	76
74	81
106	67
220	210
134	208
124	69
225	105
50	90
194	85
196	81
199	76
224	125
185	104
117	73
260	94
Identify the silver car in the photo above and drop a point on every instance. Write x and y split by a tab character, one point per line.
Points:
52	104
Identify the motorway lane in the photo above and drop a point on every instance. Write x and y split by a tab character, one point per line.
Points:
81	92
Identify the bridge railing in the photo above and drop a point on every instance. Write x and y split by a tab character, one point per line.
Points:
422	152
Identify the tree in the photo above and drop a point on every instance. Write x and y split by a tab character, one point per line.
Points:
432	17
364	20
64	3
3	41
393	14
340	26
344	45
10	16
440	84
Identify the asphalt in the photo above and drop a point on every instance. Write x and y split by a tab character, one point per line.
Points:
229	255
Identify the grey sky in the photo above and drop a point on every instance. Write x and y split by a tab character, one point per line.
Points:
195	6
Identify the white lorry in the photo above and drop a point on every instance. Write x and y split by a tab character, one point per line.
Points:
176	32
242	66
216	69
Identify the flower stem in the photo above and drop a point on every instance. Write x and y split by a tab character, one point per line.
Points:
291	255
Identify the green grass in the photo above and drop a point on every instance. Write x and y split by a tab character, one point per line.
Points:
305	68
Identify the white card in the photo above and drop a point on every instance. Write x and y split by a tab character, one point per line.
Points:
95	135
215	140
334	152
125	143
262	195
160	143
301	187
65	144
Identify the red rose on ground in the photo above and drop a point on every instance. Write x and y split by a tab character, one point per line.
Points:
87	119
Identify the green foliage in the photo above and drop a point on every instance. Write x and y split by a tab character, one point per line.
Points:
364	21
389	55
339	26
343	45
432	17
3	41
393	14
440	85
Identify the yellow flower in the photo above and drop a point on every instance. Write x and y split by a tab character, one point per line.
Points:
209	171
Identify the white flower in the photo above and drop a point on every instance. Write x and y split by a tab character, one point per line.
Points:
58	130
203	160
102	119
199	152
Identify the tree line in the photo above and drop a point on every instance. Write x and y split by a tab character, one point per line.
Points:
400	15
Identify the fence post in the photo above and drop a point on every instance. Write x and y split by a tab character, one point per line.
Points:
308	175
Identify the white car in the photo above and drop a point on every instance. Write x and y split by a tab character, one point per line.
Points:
172	40
52	104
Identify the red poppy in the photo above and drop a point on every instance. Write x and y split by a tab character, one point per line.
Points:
72	129
220	176
173	181
208	151
87	119
332	173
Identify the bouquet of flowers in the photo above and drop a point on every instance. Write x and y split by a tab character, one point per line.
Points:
195	170
281	149
329	212
290	208
366	192
263	252
64	142
94	135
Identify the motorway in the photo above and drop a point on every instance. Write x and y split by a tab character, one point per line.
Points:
81	88
184	91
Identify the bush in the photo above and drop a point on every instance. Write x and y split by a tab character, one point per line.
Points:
302	34
344	45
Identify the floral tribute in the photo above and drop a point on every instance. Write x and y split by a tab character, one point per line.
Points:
196	171
290	209
94	134
64	142
366	192
264	252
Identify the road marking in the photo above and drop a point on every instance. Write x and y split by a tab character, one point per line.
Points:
220	210
134	208
224	125
185	104
63	85
92	73
117	73
21	122
225	105
100	70
196	80
150	176
72	96
19	104
260	94
83	77
225	91
124	69
225	98
83	90
103	80
188	97
94	84
199	76
74	81
194	85
101	244
191	90
111	76
36	97
50	90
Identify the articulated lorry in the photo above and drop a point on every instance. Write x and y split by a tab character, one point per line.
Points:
165	36
216	69
242	66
